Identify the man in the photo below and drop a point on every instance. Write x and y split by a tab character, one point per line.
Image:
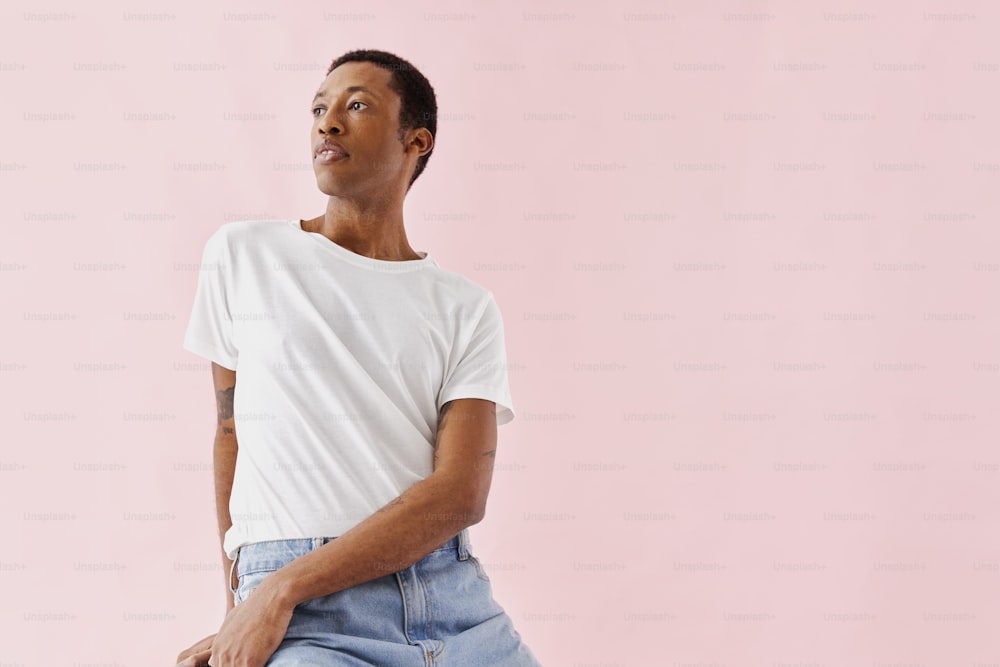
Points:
372	382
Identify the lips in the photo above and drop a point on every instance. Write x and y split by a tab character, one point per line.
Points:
329	150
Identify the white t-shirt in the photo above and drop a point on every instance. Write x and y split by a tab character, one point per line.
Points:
343	363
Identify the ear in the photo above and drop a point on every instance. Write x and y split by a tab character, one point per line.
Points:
421	139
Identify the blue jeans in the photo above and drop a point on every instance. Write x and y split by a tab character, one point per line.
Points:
439	611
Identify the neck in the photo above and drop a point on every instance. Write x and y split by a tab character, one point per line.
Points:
374	233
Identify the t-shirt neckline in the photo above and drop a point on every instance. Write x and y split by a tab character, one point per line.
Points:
361	260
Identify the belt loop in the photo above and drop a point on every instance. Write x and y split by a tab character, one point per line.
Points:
231	568
463	544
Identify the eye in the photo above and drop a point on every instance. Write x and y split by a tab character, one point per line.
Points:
349	106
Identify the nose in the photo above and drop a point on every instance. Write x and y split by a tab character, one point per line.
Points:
330	123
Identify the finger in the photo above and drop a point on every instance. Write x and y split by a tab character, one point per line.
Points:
199	645
199	659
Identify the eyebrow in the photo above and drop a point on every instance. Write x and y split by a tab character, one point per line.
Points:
349	89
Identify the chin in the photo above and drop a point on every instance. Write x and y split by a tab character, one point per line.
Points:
328	186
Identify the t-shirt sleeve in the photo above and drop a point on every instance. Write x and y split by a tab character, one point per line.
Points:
481	371
209	331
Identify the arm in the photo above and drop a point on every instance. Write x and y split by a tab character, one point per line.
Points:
420	520
224	460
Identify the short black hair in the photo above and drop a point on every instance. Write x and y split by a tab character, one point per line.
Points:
418	105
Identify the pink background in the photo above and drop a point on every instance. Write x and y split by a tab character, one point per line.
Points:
747	257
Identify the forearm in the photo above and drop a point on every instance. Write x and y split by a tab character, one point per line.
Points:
224	464
420	520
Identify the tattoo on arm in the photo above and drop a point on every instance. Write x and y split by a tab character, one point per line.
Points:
224	400
397	501
444	411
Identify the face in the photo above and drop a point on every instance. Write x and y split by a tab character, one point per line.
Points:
365	123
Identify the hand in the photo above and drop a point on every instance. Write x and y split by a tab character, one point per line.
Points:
252	630
197	655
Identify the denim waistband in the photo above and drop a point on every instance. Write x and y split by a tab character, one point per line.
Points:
272	554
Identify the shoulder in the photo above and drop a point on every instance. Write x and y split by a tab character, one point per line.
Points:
461	291
240	233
